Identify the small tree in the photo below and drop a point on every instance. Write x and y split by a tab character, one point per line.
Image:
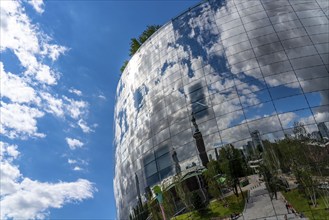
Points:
154	209
212	178
124	66
233	166
168	203
134	46
183	192
136	43
306	183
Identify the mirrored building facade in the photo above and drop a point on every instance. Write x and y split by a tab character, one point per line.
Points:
247	69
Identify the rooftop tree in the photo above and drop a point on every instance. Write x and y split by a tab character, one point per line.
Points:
135	43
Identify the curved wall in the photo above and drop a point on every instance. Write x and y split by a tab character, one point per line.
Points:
240	66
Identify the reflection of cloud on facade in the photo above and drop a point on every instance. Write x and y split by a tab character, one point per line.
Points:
239	66
322	116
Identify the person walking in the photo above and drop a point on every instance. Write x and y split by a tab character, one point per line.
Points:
287	207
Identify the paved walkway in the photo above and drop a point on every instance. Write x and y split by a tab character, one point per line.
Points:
261	207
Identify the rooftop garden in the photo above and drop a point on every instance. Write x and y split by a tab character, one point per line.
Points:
135	43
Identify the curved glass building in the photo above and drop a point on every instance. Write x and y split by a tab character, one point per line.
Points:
247	69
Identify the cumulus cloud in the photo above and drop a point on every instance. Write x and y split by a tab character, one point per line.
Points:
74	143
28	42
53	51
78	164
8	152
23	198
27	100
71	161
77	168
287	118
28	95
19	120
14	88
84	127
321	116
37	5
102	97
75	108
75	91
52	104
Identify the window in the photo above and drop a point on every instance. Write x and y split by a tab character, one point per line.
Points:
157	165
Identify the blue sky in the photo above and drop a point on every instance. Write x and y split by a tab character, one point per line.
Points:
59	66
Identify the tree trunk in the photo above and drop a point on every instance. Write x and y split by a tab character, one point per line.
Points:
235	190
241	191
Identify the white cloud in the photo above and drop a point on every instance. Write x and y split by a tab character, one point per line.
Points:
7	151
53	105
10	174
71	161
321	116
75	108
77	168
37	5
102	97
53	51
74	143
28	97
28	42
15	89
287	118
19	121
75	91
84	127
77	164
31	199
23	198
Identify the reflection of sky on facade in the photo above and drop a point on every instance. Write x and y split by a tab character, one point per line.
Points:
239	66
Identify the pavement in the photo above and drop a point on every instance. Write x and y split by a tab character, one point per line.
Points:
261	207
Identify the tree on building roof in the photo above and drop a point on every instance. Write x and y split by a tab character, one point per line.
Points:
135	43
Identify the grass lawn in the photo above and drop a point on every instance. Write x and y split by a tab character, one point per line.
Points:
216	209
300	203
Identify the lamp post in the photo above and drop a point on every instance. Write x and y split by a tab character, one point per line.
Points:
159	197
175	159
138	190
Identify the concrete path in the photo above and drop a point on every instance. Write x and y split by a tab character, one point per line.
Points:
261	207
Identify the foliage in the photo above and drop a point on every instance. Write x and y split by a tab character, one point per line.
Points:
134	46
168	203
183	192
151	29
301	156
211	175
154	210
216	209
232	163
272	182
124	66
197	201
300	203
306	183
135	43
